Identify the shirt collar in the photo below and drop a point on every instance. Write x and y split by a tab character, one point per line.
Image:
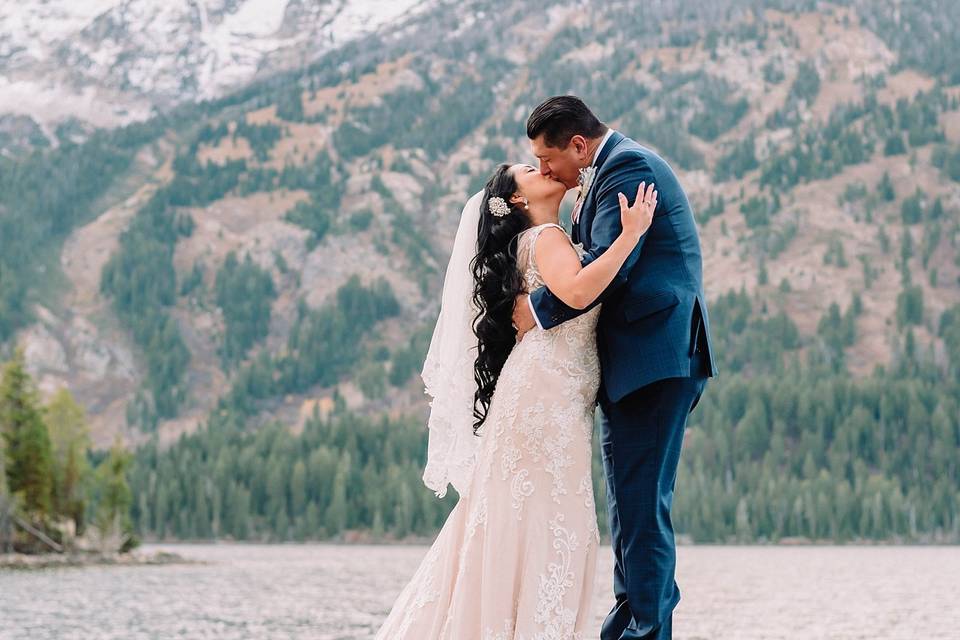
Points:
601	145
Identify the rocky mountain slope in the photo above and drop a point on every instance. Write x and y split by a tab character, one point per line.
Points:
820	149
67	66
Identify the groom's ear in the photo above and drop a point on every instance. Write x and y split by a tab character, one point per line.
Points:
579	144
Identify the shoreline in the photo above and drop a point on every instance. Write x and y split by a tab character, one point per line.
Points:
29	562
140	557
415	542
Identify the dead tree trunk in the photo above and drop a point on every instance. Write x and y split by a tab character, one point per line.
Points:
8	519
6	525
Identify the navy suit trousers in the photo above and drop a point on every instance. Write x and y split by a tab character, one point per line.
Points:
641	438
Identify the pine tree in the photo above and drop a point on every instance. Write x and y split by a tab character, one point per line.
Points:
4	489
298	488
336	515
314	528
6	526
115	497
202	516
886	189
70	441
29	466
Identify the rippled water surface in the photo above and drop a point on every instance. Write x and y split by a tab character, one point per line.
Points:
328	592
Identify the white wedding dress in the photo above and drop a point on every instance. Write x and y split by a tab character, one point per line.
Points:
515	559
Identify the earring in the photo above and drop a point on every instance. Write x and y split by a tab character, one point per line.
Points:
526	204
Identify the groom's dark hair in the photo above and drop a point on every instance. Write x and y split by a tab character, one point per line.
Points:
560	118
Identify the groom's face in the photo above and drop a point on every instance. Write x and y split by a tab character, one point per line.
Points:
562	165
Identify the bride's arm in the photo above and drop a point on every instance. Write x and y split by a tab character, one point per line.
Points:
559	265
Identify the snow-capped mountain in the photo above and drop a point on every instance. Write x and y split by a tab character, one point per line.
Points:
108	62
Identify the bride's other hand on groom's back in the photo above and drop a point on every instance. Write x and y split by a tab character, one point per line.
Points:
522	316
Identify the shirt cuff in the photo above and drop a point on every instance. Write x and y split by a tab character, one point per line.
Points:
534	312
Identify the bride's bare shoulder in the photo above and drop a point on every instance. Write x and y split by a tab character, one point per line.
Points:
549	240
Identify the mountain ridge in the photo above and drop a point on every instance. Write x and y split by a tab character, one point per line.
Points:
778	122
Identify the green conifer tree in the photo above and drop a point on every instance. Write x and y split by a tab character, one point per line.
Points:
29	468
70	441
115	497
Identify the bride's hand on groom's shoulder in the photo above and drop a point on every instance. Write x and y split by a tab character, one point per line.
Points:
637	219
523	319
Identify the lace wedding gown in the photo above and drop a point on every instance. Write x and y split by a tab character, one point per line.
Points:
515	559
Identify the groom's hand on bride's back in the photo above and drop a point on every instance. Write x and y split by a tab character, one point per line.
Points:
522	316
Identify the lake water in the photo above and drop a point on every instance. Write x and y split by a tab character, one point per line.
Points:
330	592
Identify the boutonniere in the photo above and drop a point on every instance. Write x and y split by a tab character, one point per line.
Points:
585	180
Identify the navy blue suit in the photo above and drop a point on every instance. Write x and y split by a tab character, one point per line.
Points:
655	353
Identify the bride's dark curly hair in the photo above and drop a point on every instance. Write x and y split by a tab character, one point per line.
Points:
496	283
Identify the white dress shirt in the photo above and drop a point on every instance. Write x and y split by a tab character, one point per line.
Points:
593	161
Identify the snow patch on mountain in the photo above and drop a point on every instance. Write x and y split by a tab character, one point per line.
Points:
355	19
109	62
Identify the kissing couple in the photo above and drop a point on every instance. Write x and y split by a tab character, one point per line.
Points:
535	329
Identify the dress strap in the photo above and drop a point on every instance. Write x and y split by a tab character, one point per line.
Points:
528	237
543	226
535	231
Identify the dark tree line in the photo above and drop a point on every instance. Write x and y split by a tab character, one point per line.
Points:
142	284
244	293
781	446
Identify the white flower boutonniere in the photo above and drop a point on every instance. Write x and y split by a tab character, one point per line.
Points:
585	180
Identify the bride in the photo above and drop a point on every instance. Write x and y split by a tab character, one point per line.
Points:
511	424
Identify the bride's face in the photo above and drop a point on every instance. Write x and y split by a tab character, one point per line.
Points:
536	187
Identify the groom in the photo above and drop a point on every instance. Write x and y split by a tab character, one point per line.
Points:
653	339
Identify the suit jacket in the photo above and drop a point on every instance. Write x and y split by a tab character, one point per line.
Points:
654	314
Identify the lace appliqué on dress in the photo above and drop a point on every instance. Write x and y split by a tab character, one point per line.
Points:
516	557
